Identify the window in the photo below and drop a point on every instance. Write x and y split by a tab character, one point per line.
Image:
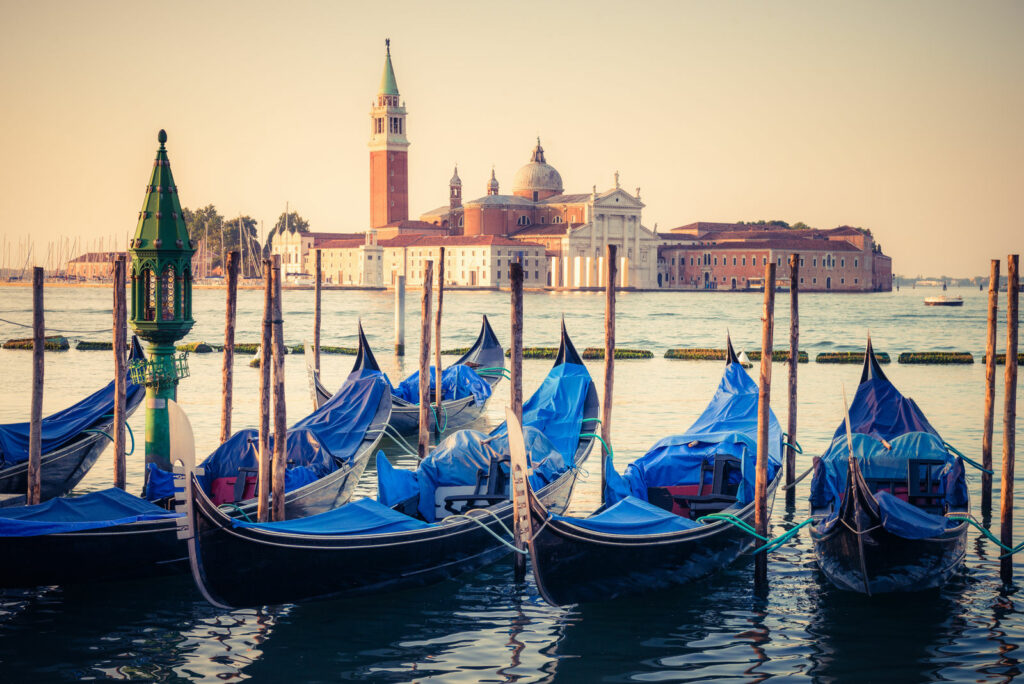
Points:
744	261
734	261
536	275
855	262
691	261
523	221
780	261
673	261
814	281
764	261
842	262
814	262
557	219
801	281
716	261
842	281
854	281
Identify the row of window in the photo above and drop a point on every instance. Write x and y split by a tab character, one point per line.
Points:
708	260
395	125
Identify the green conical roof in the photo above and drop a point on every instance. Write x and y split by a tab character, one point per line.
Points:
388	85
161	218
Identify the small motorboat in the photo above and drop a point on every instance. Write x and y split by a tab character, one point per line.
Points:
943	300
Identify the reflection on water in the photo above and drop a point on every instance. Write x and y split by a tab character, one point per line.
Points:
485	627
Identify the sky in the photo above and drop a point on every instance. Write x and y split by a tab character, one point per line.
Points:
901	117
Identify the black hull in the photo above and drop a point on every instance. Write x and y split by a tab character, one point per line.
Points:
124	552
61	470
243	567
575	565
875	561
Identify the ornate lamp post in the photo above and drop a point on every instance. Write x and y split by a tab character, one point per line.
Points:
161	307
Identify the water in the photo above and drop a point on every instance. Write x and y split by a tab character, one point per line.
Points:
483	627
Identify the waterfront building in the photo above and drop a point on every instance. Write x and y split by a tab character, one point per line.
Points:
93	265
723	256
479	261
294	248
575	229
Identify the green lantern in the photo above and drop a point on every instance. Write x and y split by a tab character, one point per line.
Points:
161	302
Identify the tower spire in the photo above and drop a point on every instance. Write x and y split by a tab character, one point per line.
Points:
389	184
388	84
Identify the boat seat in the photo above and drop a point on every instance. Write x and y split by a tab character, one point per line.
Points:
491	487
893	485
693	501
924	484
243	482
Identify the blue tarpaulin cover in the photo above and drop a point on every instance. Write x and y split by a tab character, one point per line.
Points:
632	516
878	409
316	445
727	426
365	516
104	508
552	422
457	382
64	426
879	412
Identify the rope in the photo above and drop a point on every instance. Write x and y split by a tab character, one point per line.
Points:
58	330
399	440
433	409
240	510
783	538
797	481
509	545
108	436
950	447
966	517
495	370
598	438
733	520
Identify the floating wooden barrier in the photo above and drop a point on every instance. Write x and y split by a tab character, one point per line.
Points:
696	354
942	358
83	345
457	351
195	347
246	347
536	352
1001	359
54	343
620	353
780	355
849	357
324	349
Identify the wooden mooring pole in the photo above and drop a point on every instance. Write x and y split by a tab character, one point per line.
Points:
316	315
515	277
794	359
423	446
763	404
280	420
400	315
516	377
1009	415
437	343
229	345
35	434
990	391
263	481
120	372
609	358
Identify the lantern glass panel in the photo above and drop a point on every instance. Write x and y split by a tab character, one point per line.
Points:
167	295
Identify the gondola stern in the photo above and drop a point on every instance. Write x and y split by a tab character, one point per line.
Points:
730	353
566	350
871	369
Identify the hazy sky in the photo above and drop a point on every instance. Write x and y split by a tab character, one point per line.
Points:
902	117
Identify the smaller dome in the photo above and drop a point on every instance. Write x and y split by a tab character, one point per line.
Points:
537	175
492	185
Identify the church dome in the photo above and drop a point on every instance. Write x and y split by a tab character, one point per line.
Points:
537	176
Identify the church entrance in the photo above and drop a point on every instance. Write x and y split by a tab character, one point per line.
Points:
828	283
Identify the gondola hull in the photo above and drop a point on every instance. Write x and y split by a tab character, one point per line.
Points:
890	563
572	564
123	552
243	567
60	470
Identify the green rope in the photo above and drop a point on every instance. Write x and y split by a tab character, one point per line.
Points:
433	409
988	535
488	530
733	520
240	510
126	427
495	370
591	420
950	447
783	538
598	438
795	444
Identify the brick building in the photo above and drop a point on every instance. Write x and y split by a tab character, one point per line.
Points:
721	256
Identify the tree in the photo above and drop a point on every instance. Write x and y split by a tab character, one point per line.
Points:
292	221
216	236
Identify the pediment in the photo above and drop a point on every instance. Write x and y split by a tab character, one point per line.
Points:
618	198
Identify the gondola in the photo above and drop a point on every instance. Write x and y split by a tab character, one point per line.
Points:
425	526
485	356
651	532
72	441
113	535
326	451
881	516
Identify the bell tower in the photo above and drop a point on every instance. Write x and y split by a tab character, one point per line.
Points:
389	164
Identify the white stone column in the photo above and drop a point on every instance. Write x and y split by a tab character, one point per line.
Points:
601	271
624	271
